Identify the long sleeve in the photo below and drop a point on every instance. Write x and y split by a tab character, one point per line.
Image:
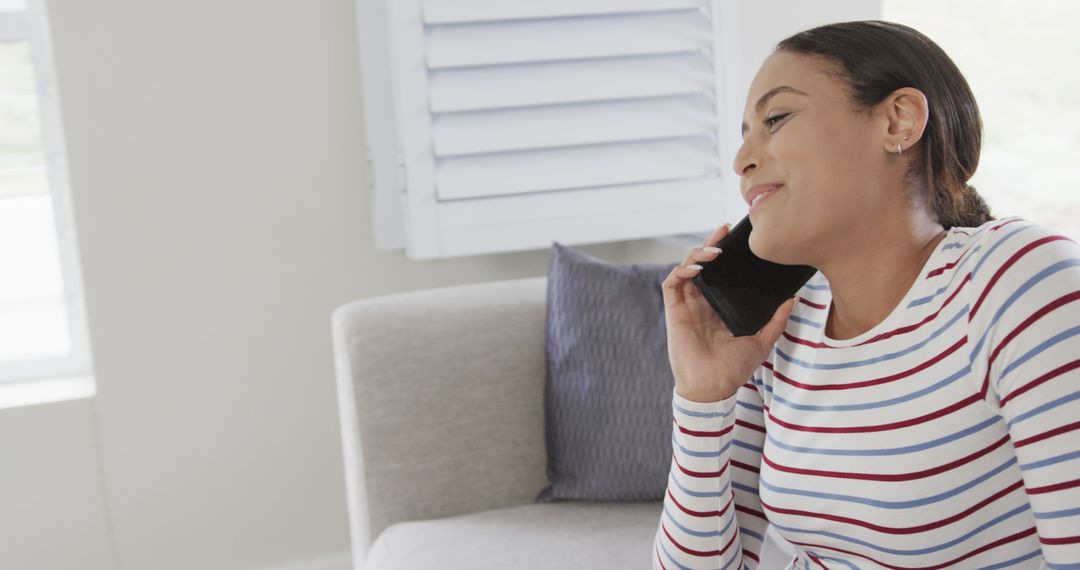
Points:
712	514
1024	336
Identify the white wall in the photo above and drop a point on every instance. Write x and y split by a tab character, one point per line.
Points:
216	162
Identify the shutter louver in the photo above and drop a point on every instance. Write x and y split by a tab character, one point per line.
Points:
515	113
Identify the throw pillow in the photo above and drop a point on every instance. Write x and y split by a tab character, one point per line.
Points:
609	381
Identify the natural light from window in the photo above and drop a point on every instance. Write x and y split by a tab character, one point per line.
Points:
33	316
1020	60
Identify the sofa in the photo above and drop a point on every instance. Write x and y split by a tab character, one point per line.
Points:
441	402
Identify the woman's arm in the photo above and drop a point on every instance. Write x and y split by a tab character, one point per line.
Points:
712	514
1025	339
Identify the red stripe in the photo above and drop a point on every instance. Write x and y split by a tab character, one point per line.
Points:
1047	434
893	333
873	382
751	512
1049	307
1055	487
817	561
696	433
1061	540
658	558
881	427
749	425
688	550
935	272
899	530
699	474
1004	267
1041	380
745	467
970	247
811	304
701	514
950	563
888	476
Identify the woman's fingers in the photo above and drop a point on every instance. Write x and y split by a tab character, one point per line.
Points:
770	333
718	234
674	286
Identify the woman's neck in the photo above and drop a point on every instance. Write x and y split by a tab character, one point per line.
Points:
869	282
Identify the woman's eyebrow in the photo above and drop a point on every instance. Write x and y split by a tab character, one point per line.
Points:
768	95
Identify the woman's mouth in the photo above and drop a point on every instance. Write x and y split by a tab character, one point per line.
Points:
756	203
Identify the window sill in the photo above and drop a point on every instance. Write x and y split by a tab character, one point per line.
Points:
45	391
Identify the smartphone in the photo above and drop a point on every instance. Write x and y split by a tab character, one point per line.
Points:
744	289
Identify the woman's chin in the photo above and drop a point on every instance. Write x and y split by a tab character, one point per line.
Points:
763	245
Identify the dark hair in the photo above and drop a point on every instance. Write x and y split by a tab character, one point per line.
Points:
875	58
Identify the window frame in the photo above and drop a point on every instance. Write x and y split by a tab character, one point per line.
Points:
71	375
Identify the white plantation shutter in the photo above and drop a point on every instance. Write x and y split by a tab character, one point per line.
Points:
518	124
503	125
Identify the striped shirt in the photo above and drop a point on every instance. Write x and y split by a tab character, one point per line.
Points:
947	436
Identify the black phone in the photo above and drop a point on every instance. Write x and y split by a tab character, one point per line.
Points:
744	289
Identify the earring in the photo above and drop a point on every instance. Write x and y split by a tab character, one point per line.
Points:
899	150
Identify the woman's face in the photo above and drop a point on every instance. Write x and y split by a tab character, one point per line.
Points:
829	160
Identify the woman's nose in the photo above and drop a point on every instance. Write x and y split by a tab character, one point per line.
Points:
744	161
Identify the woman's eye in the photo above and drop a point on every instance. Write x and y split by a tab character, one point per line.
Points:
770	121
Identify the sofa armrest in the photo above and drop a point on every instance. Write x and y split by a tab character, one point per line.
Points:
441	401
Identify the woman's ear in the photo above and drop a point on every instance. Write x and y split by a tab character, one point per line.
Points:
907	113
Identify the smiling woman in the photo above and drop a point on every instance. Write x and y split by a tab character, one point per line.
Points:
913	408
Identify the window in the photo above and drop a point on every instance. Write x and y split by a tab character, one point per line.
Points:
1016	57
44	347
499	126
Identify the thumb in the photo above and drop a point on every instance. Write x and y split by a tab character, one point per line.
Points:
770	333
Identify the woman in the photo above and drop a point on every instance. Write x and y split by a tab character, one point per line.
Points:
916	405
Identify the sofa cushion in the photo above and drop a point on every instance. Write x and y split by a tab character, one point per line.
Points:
609	382
554	536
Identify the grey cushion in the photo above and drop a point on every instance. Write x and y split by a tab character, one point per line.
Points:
566	536
609	383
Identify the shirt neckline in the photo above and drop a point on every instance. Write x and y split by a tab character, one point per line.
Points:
891	319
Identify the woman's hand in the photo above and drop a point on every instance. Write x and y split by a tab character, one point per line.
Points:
708	362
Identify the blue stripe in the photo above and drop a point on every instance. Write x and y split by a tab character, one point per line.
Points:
1016	560
672	559
687	412
806	322
889	504
1050	461
891	356
686	451
820	287
888	451
745	488
1043	408
917	551
1058	514
846	563
1034	280
953	245
724	491
1063	335
698	533
957	271
751	534
748	446
996	245
751	407
736	556
871	405
1068	566
926	299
